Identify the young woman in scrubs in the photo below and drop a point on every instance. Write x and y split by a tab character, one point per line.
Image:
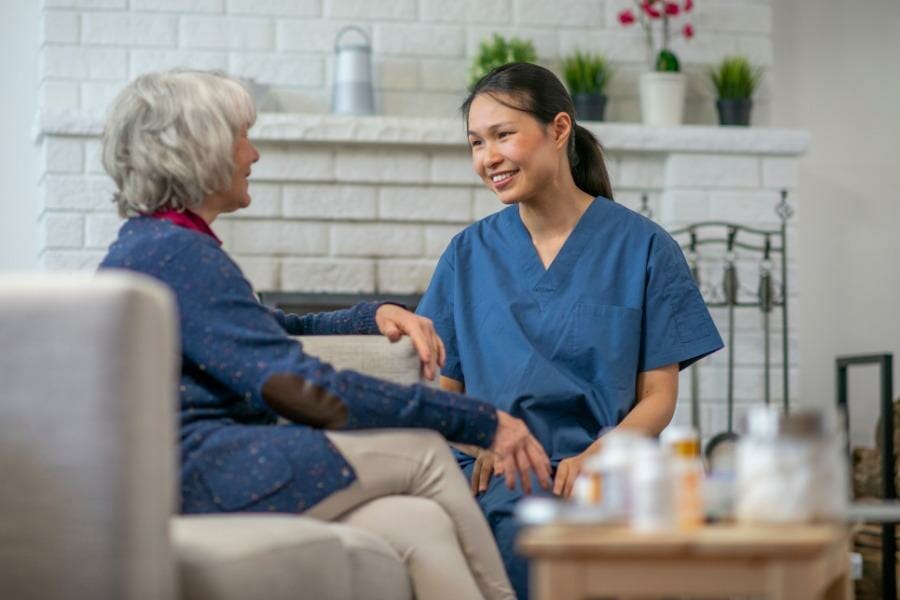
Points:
564	308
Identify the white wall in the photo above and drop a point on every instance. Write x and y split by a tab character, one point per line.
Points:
19	39
837	75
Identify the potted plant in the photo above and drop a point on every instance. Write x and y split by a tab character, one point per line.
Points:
735	80
663	87
586	75
499	51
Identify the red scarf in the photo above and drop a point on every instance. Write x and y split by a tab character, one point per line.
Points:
186	219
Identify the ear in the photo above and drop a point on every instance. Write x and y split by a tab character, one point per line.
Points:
561	128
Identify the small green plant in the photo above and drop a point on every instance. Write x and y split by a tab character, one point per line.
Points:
735	78
586	73
499	51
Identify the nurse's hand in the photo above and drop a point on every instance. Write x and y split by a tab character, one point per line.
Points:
519	452
568	470
486	465
394	321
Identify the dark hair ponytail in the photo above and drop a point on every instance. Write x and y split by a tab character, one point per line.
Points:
537	91
588	166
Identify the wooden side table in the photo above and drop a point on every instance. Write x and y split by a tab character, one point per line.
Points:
795	562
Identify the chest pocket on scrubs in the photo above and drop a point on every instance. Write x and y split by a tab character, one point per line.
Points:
603	344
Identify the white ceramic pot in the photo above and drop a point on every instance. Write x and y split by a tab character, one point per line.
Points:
662	98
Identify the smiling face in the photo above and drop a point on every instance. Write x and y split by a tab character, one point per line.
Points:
515	155
237	196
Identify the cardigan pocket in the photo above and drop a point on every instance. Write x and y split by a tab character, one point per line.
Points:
242	475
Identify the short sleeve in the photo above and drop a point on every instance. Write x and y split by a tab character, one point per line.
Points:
437	305
676	325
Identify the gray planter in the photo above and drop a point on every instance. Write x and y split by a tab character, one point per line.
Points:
589	107
734	112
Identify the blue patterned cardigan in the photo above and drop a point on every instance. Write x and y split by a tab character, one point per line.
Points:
233	455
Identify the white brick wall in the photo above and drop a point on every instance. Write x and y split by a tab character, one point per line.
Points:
239	33
77	192
178	6
328	275
82	63
377	239
561	12
417	203
466	11
363	164
279	238
329	201
263	273
277	8
422	48
712	170
60	230
404	276
63	155
125	29
366	9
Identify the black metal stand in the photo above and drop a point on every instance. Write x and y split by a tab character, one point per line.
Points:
885	364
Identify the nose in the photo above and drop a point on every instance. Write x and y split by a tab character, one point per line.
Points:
255	153
491	157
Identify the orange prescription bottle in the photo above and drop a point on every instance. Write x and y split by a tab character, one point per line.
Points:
687	479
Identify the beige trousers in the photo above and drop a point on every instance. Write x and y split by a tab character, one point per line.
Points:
410	491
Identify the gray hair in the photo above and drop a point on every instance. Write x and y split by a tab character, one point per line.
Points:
169	139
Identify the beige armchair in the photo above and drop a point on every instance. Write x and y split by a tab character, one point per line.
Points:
88	372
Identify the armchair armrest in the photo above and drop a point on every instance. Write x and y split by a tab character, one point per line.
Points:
371	355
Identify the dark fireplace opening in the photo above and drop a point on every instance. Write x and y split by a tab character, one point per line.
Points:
302	303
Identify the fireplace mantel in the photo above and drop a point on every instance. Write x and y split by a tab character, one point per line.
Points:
414	131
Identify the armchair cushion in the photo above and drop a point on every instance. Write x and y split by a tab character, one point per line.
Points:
283	557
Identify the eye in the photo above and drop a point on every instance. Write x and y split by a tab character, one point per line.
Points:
474	143
503	134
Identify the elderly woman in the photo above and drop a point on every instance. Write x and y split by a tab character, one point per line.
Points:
176	145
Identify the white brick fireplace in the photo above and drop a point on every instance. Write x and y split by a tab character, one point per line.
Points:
366	205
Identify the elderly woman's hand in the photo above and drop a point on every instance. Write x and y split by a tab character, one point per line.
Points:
518	453
394	321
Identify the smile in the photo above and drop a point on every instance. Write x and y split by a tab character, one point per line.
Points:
501	179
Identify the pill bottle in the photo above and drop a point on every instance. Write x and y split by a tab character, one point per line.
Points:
683	444
651	498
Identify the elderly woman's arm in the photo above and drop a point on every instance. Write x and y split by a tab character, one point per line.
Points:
368	318
358	319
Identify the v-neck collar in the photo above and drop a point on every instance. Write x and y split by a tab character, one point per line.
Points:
544	280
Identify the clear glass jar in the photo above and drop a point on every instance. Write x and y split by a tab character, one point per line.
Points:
791	468
651	486
604	482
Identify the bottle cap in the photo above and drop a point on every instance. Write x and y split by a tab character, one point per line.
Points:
683	440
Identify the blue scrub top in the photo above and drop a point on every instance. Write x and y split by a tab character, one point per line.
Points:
561	347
